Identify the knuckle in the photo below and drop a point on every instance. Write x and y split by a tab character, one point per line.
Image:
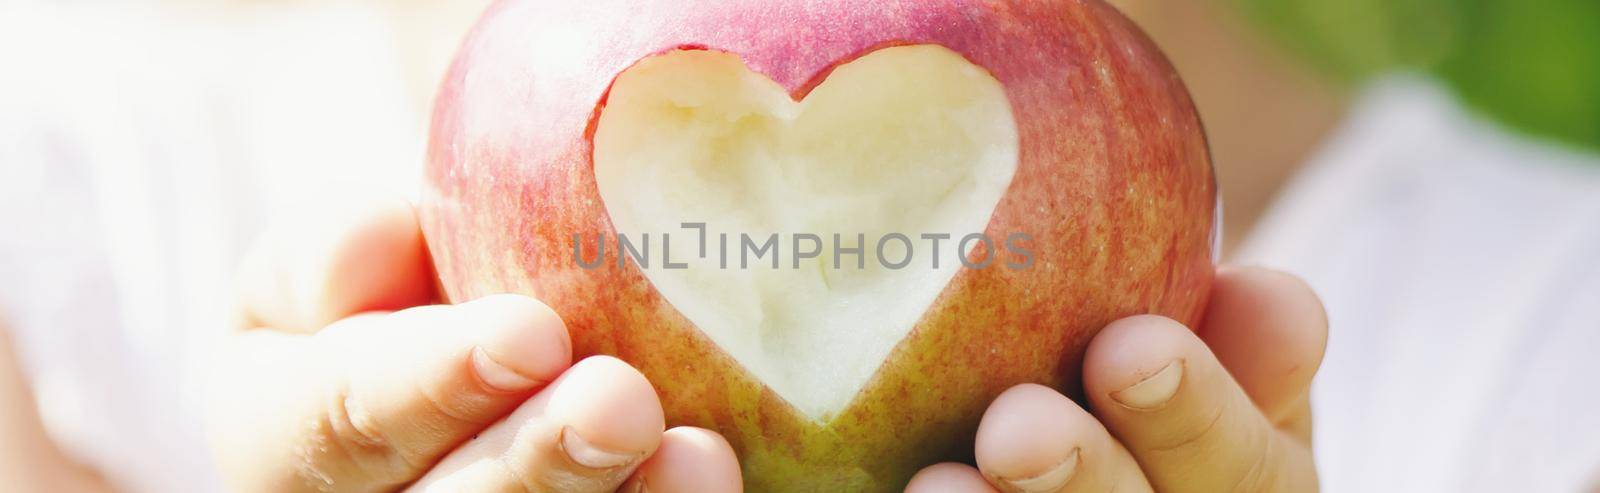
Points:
520	482
464	408
1192	433
346	429
1259	475
538	462
1241	457
517	475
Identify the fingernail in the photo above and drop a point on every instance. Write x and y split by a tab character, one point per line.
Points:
1154	391
1051	480
588	455
497	375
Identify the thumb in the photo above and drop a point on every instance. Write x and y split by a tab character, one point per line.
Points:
1164	395
354	253
373	401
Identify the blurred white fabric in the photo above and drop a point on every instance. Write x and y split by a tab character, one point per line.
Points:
140	153
1461	271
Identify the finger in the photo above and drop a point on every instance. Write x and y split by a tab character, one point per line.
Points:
1035	440
1269	331
689	460
585	433
949	477
356	255
1160	391
375	401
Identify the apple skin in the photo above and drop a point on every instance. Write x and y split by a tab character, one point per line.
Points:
1114	184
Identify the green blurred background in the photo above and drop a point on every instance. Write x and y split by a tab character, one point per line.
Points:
1533	65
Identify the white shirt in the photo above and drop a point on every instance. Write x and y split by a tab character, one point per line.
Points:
141	152
1460	266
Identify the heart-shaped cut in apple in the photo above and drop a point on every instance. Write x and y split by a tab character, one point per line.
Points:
864	189
565	120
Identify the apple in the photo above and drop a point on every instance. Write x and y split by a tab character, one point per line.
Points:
832	231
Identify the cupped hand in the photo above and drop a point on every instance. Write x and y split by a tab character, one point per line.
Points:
1222	408
346	376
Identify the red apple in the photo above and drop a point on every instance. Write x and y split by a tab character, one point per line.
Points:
1051	132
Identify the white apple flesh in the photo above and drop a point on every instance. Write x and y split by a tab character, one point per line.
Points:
912	140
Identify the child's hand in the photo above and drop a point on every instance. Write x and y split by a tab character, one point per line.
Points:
1221	409
329	388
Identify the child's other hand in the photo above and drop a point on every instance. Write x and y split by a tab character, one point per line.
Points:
346	377
1224	408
